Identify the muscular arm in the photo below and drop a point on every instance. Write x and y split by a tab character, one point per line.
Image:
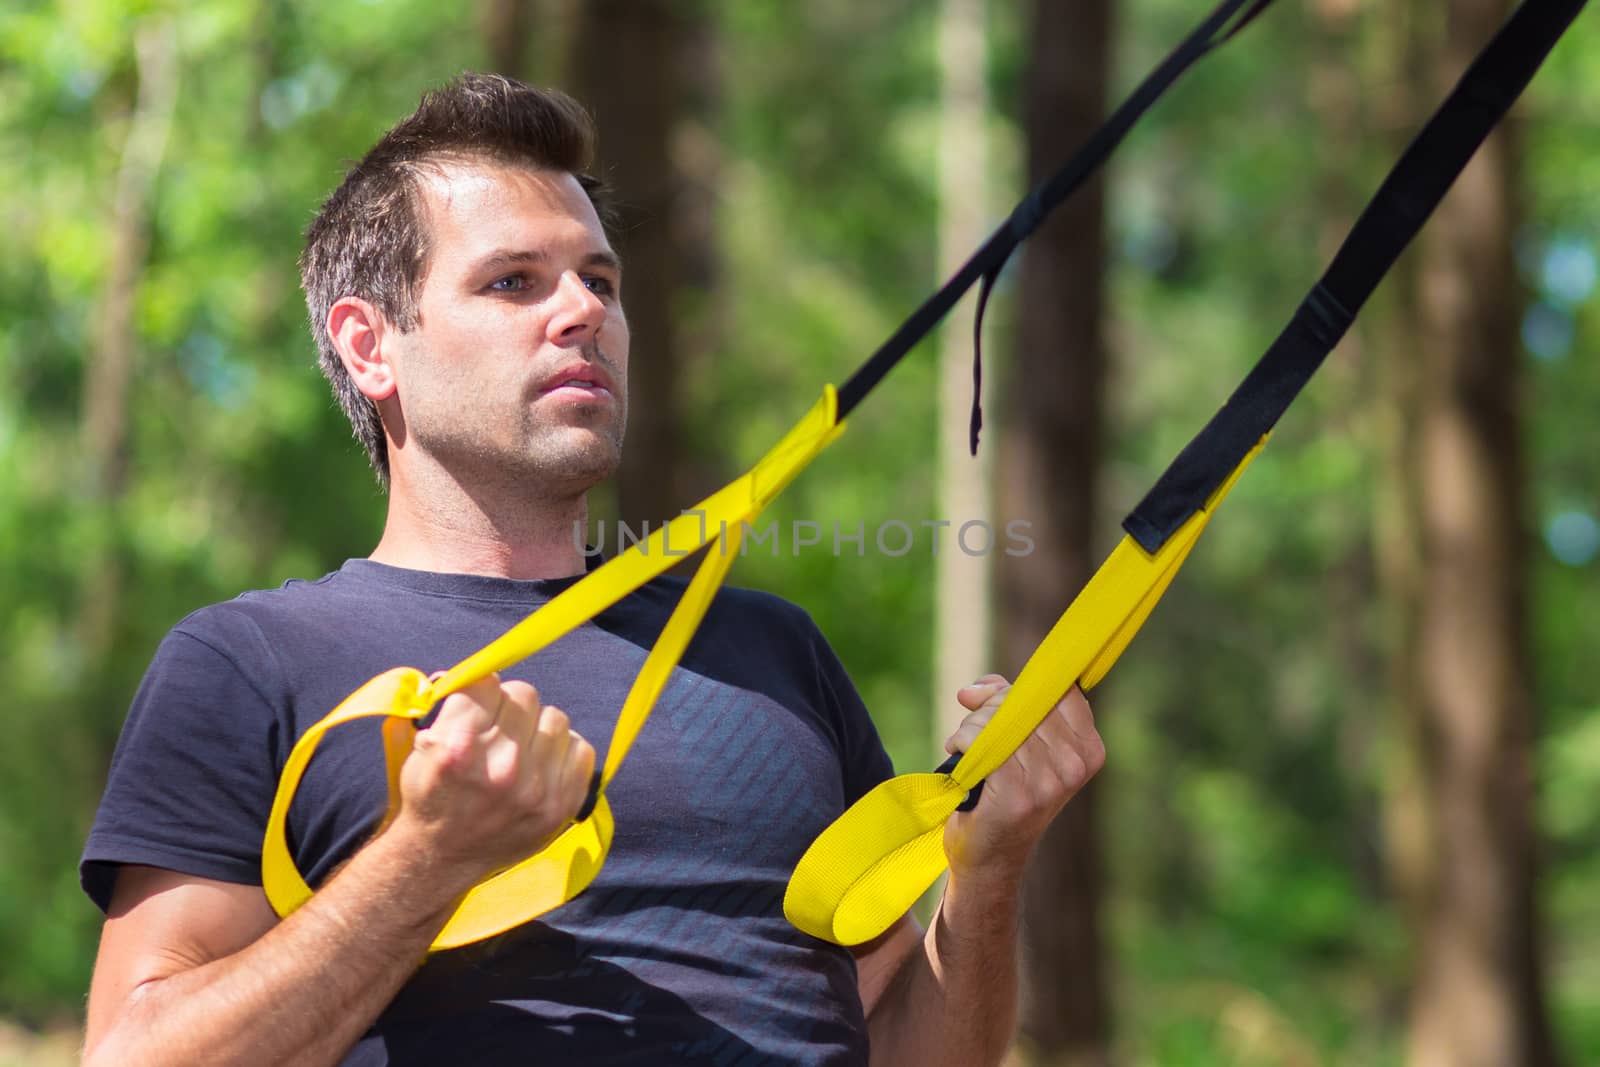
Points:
197	971
949	996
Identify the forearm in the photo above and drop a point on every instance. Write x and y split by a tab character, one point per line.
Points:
308	988
954	1002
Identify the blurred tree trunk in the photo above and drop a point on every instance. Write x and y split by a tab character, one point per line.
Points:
109	369
1397	517
962	642
642	67
1340	107
1052	442
104	429
1478	996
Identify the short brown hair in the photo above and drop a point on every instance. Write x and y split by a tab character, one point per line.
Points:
371	238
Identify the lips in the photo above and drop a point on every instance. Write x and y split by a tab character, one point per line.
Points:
586	376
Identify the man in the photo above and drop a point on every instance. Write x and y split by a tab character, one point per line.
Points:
468	310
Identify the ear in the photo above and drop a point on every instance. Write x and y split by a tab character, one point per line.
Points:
359	332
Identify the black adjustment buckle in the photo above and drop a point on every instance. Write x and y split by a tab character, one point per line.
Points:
976	793
591	800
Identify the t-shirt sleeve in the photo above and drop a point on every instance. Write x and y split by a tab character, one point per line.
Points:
193	774
865	761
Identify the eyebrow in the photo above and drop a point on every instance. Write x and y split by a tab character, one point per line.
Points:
508	257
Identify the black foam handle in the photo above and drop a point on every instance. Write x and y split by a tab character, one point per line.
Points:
976	793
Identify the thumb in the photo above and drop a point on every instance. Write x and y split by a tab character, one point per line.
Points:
974	696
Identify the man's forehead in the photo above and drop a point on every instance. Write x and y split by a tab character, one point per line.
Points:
463	197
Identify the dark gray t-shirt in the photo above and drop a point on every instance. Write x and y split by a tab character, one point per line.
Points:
679	951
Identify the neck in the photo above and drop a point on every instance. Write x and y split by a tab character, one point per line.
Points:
451	529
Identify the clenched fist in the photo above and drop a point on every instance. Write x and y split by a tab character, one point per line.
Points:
1024	794
493	779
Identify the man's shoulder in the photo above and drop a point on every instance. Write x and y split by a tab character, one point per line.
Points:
748	609
255	613
761	604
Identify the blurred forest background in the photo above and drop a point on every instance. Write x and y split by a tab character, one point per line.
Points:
1352	813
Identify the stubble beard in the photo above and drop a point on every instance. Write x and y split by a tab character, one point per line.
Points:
570	457
535	457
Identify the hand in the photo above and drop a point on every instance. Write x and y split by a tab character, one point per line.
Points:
493	779
1027	791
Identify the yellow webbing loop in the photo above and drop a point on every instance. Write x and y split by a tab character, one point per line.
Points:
864	871
564	867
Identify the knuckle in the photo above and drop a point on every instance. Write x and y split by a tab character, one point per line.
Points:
1096	754
456	743
531	796
503	765
1074	771
581	751
521	692
1018	804
465	706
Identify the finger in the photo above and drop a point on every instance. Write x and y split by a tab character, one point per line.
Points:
577	773
504	758
972	697
1010	785
963	737
522	692
519	715
1061	752
548	747
560	729
548	757
472	710
1050	765
1074	711
1056	731
967	732
1074	707
1039	778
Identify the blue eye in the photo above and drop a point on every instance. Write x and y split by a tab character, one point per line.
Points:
600	286
499	285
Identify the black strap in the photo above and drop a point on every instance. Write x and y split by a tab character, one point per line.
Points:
1214	31
974	794
1402	204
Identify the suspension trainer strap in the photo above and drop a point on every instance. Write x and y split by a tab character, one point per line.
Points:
1402	204
404	695
864	871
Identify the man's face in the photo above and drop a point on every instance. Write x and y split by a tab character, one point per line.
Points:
516	374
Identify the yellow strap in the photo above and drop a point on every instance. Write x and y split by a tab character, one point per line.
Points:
864	871
569	863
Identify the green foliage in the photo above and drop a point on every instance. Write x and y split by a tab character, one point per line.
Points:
1250	918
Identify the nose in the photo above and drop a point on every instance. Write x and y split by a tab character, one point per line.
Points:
578	311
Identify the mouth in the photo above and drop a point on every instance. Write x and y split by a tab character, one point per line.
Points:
578	382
